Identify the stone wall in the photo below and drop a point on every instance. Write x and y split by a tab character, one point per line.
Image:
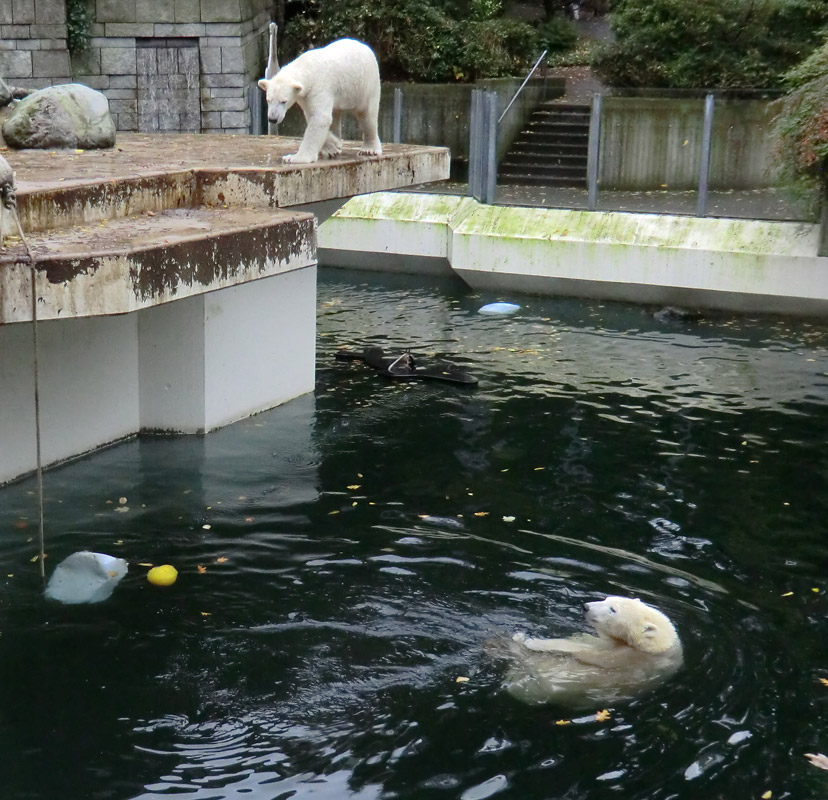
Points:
33	50
231	41
164	65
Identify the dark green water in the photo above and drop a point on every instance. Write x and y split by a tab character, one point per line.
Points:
685	465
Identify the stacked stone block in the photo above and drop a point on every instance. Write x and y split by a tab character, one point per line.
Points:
165	89
170	65
33	50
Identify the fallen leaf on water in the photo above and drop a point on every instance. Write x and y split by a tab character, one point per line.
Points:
333	512
144	564
787	594
767	795
824	681
21	525
508	519
819	760
221	559
200	568
815	590
461	679
354	486
537	469
206	614
481	513
206	527
121	509
118	542
122	500
248	519
563	722
602	716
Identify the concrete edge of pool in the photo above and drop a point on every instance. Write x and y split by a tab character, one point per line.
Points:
729	264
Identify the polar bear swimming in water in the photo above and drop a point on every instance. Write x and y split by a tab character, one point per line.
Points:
324	82
636	648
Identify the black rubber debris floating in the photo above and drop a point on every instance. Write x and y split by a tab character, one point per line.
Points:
406	368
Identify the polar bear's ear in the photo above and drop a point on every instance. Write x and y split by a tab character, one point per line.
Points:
263	84
299	89
649	629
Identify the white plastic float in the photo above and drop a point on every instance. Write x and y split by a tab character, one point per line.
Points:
85	577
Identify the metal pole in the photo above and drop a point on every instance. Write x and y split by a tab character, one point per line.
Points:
398	103
490	111
525	81
474	145
706	146
822	247
594	152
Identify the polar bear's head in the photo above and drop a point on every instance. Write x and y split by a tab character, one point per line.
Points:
281	94
634	623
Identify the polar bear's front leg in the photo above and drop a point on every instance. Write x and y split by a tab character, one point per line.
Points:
317	131
370	134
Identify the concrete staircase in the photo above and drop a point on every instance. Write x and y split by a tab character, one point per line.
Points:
552	150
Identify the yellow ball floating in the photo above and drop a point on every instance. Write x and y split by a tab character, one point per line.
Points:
164	575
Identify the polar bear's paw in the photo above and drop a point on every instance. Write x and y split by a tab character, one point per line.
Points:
295	158
373	149
330	150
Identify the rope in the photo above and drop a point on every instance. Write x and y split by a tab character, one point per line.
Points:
10	203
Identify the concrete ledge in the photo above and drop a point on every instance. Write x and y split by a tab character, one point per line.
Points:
129	264
744	265
153	172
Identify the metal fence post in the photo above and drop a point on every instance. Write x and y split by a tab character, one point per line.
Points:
490	144
398	104
474	145
594	152
706	146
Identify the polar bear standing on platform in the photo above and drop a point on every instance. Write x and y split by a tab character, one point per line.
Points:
324	82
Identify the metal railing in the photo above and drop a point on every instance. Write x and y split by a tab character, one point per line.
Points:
522	86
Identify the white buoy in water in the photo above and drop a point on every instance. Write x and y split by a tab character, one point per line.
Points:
85	577
499	308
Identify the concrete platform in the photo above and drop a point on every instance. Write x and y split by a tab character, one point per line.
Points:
175	291
156	172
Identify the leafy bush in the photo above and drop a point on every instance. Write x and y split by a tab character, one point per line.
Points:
709	43
423	40
801	127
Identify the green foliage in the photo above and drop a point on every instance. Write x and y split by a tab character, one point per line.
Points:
78	26
432	40
709	43
801	127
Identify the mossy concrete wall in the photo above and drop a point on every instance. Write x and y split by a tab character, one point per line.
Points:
742	265
655	142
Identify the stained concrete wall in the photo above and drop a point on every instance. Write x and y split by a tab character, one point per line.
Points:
742	265
655	142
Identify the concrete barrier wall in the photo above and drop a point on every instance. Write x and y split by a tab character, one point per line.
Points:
655	142
438	114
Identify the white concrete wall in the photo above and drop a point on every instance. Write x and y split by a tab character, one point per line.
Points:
735	264
88	389
187	366
209	360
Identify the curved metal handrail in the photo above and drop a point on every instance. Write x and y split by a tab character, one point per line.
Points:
525	81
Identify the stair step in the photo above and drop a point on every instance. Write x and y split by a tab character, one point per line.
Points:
540	171
534	180
545	159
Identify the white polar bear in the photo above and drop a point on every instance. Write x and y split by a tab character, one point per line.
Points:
636	648
343	76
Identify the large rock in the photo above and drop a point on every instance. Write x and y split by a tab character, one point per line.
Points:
70	115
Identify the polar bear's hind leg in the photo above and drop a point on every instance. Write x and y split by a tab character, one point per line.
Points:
333	144
370	134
